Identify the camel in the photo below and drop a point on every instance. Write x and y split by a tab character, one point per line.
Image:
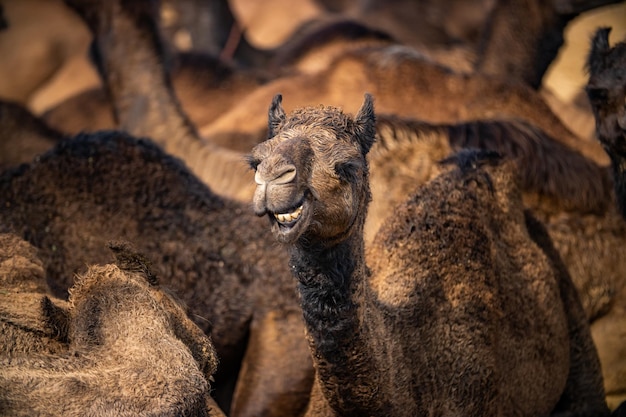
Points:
570	194
128	347
93	188
262	317
146	96
513	40
607	95
429	320
407	78
575	207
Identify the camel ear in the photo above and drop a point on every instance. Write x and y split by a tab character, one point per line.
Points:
276	115
599	48
366	124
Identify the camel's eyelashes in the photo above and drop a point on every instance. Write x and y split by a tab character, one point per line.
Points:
348	171
253	162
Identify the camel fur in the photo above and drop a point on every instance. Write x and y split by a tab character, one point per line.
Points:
24	329
128	347
461	306
606	89
94	188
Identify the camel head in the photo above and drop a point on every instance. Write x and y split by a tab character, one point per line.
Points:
606	90
311	174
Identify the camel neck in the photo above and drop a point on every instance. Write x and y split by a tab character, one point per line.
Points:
331	281
133	64
618	166
146	105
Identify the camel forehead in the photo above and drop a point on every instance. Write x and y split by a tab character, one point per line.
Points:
327	143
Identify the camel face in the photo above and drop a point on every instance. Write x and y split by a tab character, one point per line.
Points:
606	90
303	171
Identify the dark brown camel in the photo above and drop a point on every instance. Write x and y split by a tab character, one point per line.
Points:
108	186
129	348
606	89
460	307
569	193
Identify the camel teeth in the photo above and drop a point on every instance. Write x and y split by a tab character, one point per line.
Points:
288	217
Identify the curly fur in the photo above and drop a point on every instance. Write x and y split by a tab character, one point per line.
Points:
120	345
429	320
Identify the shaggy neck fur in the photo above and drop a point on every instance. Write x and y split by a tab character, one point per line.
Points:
331	280
618	165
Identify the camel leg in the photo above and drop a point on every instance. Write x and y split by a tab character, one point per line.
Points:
584	393
277	370
609	333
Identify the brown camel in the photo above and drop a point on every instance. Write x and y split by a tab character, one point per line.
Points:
406	85
569	193
93	188
461	306
129	348
145	95
403	80
606	89
512	39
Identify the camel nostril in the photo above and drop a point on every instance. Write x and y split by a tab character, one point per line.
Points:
283	175
286	176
